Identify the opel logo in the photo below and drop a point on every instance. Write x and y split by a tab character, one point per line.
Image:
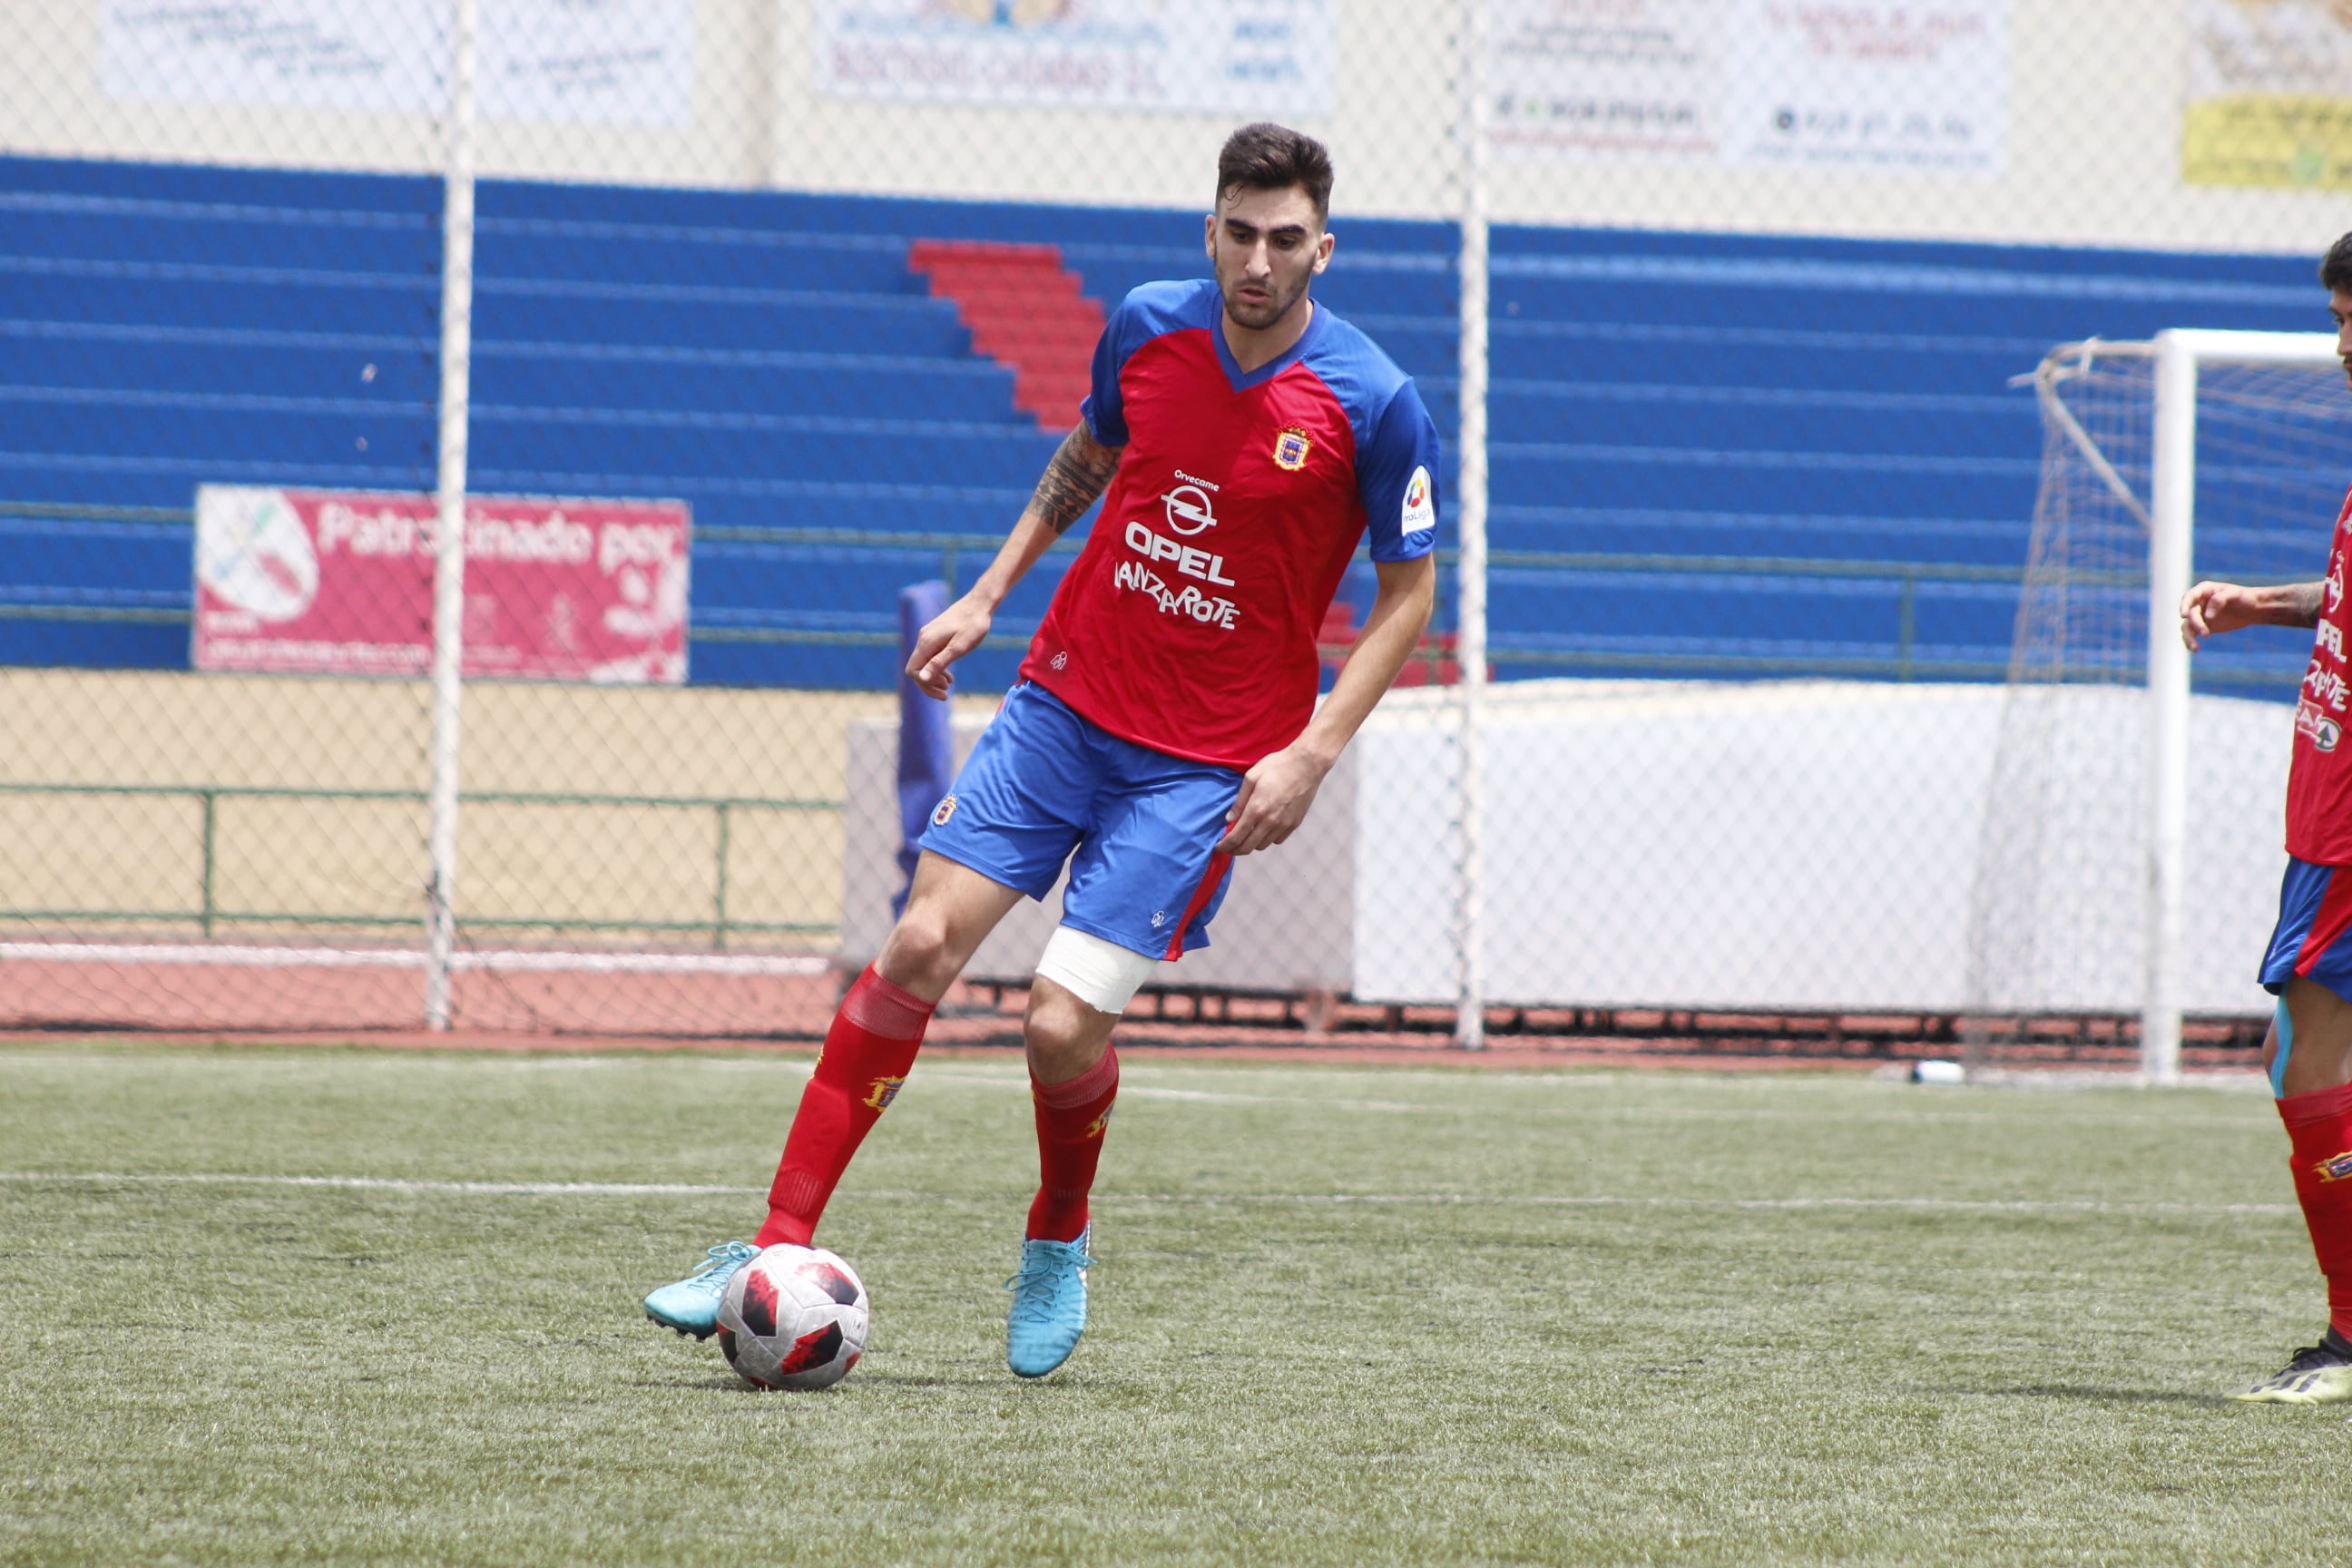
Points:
1189	511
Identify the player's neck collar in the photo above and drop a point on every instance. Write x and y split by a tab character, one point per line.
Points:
1241	380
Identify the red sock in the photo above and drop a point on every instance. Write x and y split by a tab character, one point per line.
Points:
1071	1119
2319	1126
867	1055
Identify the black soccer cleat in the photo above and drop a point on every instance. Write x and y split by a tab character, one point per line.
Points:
2319	1374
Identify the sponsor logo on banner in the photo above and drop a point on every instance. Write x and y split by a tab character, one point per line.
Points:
1237	57
1290	449
341	583
1420	509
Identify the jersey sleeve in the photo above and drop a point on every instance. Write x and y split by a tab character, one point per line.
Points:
1104	410
1396	477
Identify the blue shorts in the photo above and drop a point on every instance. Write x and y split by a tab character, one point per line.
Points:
1043	782
2313	937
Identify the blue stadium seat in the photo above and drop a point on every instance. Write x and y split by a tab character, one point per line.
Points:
1664	405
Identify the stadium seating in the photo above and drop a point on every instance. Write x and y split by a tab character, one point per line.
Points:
1712	454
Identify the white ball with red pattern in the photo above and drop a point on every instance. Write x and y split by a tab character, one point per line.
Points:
793	1316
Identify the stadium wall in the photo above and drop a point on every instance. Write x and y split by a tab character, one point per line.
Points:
2091	95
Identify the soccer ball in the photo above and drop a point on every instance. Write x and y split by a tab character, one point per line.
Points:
793	1316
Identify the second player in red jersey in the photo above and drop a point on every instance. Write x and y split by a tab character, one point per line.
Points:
2308	965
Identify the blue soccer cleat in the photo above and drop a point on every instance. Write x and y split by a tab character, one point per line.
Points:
1049	1305
691	1306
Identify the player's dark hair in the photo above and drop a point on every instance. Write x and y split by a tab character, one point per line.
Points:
2335	271
1270	157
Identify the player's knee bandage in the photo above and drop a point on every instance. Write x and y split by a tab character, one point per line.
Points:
1102	974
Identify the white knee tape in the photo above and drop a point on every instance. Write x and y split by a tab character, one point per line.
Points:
1102	974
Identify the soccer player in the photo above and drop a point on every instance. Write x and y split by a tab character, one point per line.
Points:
2309	963
1242	441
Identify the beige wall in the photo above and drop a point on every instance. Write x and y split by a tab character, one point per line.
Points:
135	752
2094	137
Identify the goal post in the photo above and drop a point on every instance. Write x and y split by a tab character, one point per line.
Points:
2246	436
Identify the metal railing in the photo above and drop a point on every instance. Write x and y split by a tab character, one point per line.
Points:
208	913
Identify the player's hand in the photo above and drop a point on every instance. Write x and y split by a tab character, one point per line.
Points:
955	632
1273	801
2211	608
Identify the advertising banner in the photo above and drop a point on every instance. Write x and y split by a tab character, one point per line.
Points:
1238	57
339	583
2270	94
628	62
1916	87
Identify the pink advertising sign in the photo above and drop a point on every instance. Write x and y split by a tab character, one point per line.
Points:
341	583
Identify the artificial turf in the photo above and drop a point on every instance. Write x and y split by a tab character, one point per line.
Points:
1341	1316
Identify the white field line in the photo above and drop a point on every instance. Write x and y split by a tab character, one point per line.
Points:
1900	1107
1179	1200
502	961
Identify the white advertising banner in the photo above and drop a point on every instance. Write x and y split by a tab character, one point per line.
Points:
585	61
1920	86
1236	57
2270	94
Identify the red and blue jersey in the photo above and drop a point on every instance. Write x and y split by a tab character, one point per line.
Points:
1188	623
2319	782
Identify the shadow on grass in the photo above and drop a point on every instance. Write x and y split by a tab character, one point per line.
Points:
2104	1396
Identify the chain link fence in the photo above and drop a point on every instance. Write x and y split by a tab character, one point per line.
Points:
776	307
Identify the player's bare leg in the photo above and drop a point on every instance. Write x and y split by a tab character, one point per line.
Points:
1073	1083
2309	1057
951	909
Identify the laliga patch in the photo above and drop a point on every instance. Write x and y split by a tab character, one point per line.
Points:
1420	509
2334	1169
1290	449
945	809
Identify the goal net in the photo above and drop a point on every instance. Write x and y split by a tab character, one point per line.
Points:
2120	761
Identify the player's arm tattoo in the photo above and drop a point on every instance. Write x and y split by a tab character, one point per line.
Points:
2304	601
1073	480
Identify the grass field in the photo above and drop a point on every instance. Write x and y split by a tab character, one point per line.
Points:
1342	1317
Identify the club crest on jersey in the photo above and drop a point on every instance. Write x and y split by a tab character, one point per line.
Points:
2334	1169
884	1091
1290	449
940	813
